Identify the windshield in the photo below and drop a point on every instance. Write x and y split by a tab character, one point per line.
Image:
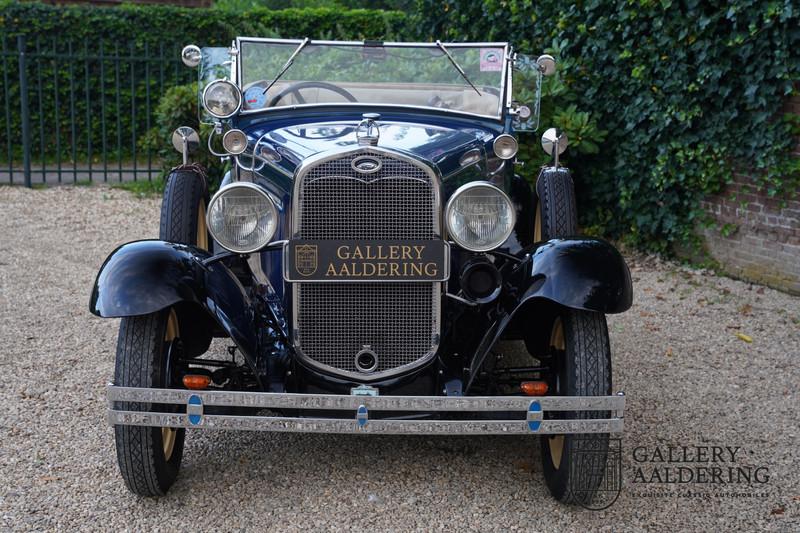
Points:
418	75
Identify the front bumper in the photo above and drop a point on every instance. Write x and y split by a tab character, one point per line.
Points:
532	412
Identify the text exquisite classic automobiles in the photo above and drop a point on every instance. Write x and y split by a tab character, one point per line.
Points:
366	251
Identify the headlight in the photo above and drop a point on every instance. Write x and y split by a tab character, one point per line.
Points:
505	146
222	99
480	217
234	141
242	218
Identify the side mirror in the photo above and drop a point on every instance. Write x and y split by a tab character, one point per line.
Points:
191	55
554	142
546	65
185	140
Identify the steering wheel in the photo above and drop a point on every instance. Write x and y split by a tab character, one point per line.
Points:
296	87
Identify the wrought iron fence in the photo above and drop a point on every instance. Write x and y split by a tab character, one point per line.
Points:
78	112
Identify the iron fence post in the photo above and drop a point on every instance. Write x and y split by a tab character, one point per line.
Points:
26	127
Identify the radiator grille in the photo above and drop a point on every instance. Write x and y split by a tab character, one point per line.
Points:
334	321
396	202
396	320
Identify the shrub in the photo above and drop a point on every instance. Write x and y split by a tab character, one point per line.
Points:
178	107
686	91
108	66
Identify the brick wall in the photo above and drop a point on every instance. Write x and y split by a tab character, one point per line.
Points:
764	240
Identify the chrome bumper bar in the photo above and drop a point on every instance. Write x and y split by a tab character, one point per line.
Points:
532	412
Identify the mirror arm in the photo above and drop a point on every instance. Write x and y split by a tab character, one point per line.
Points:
555	154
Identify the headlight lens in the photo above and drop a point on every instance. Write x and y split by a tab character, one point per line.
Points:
242	218
480	217
222	99
505	146
234	141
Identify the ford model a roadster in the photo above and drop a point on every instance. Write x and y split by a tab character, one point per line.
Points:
366	252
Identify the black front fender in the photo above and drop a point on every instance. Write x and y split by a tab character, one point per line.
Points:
587	274
577	273
144	277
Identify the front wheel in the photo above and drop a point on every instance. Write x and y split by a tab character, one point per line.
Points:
582	361
149	457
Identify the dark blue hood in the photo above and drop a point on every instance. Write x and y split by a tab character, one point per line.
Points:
440	144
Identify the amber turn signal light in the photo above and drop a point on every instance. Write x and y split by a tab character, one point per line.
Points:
534	388
196	381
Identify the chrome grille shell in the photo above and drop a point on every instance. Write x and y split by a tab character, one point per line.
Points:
333	321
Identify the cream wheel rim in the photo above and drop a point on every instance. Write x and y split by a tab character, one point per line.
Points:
168	434
537	226
201	238
556	442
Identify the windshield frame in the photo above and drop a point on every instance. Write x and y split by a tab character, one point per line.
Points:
505	78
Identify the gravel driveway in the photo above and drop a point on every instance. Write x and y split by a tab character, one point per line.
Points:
681	355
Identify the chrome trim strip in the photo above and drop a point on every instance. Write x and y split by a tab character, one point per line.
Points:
288	400
383	427
533	409
361	43
510	58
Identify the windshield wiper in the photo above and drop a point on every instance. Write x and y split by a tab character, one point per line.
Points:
288	64
458	67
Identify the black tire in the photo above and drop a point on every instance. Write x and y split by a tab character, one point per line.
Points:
583	369
556	214
148	463
148	467
183	209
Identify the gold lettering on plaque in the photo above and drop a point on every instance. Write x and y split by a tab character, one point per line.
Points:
369	261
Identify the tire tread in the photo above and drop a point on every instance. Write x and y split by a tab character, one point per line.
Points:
556	193
138	338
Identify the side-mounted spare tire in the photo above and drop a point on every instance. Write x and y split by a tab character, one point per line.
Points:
579	354
149	458
556	213
183	210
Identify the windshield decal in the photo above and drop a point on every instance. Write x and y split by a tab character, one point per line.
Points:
491	60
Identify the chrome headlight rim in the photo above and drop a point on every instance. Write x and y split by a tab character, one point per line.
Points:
227	139
451	204
238	185
237	92
505	137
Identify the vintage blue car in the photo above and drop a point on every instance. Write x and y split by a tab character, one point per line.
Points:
365	253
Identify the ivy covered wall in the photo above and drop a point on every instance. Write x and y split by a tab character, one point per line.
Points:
677	95
662	100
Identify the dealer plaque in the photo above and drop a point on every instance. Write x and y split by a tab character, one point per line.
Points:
366	260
